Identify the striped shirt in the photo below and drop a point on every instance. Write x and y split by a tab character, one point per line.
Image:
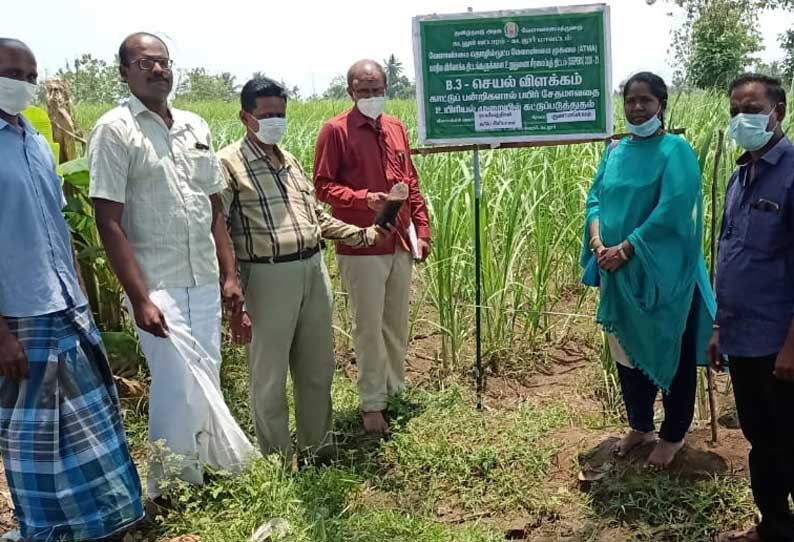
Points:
272	211
164	177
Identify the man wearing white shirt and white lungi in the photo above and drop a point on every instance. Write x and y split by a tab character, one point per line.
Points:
156	185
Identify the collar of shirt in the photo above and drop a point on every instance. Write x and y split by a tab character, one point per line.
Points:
746	163
26	126
137	107
253	152
771	156
360	120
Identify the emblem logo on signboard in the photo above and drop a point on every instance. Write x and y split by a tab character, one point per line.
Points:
511	30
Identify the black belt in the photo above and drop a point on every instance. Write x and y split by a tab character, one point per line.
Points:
297	256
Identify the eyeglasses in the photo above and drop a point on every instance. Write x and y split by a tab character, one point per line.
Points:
147	64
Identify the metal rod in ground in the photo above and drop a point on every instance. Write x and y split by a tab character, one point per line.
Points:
712	276
478	282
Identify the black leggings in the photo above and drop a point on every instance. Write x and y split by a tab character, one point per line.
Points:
639	392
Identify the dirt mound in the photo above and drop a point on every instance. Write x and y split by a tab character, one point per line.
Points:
691	463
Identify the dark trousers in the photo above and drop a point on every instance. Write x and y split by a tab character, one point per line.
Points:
639	392
765	406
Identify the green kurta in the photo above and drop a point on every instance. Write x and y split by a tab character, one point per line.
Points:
649	192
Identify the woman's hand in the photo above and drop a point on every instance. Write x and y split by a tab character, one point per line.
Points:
613	258
609	258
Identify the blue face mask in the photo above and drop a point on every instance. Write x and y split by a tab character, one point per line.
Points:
647	128
749	130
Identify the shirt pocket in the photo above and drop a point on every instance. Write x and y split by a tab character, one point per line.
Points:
397	165
201	167
766	228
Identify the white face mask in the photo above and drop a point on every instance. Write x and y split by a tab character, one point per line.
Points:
15	95
372	107
271	130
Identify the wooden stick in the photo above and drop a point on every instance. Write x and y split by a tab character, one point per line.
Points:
713	273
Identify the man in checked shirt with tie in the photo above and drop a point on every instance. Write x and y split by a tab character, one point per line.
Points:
276	225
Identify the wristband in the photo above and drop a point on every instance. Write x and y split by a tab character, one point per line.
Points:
622	253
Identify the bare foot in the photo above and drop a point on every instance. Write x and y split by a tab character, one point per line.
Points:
631	440
664	453
375	422
750	535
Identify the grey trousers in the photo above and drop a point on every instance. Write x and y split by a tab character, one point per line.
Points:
290	309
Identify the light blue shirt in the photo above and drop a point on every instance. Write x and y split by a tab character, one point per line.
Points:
37	273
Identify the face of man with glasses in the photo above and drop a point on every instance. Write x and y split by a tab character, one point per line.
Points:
148	70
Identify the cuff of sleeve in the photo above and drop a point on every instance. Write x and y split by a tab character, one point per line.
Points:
634	239
370	237
217	188
360	199
423	232
104	194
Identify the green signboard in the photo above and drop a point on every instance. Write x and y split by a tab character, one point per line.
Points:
513	76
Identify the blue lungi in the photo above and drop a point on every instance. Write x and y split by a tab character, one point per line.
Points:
61	434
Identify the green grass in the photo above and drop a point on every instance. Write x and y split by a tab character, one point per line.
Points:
659	507
444	455
449	473
473	461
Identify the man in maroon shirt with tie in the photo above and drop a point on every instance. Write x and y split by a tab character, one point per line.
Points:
361	154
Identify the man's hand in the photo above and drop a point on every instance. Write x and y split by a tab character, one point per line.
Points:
376	200
424	249
714	354
232	294
150	318
240	325
384	234
609	259
13	361
784	366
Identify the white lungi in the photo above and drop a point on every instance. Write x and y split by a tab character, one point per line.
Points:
186	406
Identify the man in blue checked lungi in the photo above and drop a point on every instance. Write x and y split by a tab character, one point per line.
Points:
61	436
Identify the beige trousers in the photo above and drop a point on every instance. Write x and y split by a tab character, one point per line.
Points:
379	289
290	309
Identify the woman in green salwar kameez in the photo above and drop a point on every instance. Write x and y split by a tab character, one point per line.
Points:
644	229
